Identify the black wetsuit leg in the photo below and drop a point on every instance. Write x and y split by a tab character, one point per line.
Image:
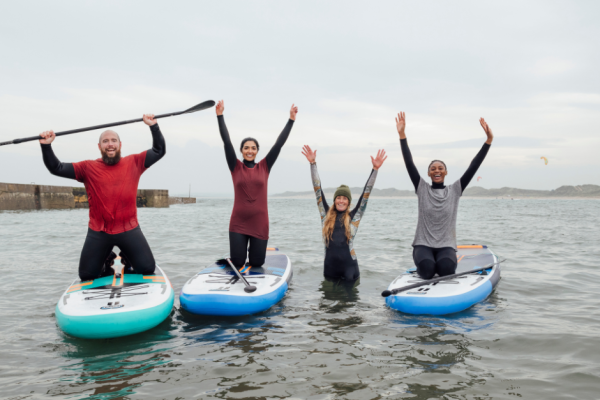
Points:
98	246
241	245
347	270
257	252
430	261
340	265
445	261
134	245
425	261
238	248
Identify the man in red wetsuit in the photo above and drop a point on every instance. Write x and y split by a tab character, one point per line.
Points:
111	184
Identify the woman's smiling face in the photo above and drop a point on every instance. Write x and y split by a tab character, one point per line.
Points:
437	172
249	150
341	203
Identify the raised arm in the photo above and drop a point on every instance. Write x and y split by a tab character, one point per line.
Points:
361	205
283	136
229	150
64	170
413	173
476	163
321	201
159	147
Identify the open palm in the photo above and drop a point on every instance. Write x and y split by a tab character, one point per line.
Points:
401	124
487	130
378	161
310	155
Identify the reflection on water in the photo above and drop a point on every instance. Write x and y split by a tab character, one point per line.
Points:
340	290
113	368
326	339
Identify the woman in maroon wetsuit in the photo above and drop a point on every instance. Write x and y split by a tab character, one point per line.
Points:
249	224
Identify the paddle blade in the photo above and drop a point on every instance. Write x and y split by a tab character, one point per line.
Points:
386	293
249	289
199	107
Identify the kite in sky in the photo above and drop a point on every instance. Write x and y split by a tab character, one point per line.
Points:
545	160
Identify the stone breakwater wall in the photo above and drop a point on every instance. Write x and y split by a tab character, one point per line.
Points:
14	196
181	200
35	197
156	198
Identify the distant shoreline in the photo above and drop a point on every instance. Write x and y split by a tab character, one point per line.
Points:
464	197
561	193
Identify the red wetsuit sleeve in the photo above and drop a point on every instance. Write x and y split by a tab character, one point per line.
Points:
140	159
80	170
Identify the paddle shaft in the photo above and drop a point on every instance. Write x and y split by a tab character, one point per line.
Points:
198	107
248	286
387	293
89	128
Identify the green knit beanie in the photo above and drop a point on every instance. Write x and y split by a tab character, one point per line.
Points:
343	190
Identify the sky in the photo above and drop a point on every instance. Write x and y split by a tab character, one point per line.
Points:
529	68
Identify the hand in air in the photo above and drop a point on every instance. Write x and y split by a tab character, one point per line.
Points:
310	155
149	119
401	124
378	161
488	130
293	112
47	137
220	107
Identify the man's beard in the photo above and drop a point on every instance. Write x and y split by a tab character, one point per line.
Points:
111	160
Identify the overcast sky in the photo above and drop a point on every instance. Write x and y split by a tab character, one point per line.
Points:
530	68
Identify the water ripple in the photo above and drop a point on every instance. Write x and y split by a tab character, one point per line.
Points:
536	336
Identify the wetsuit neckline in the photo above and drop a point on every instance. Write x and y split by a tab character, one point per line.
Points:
437	185
249	164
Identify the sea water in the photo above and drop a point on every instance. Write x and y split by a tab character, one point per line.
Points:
537	335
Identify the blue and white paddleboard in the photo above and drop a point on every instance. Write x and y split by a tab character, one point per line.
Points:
111	307
217	290
449	296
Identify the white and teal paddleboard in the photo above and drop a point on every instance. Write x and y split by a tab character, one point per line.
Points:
114	306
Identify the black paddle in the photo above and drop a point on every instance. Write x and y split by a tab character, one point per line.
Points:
387	293
197	107
249	288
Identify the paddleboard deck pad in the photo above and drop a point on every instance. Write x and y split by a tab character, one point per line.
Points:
110	307
454	295
217	290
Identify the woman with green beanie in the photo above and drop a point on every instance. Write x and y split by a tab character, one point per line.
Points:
340	224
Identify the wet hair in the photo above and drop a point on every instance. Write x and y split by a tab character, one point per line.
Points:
437	161
248	139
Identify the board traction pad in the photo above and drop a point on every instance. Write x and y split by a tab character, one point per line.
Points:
274	265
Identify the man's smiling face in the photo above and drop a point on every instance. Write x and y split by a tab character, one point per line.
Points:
110	147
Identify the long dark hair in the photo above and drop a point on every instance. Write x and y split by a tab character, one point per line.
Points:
248	139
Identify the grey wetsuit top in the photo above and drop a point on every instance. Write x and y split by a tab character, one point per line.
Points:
438	208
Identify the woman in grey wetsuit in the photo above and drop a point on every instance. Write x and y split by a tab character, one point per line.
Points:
434	247
339	222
